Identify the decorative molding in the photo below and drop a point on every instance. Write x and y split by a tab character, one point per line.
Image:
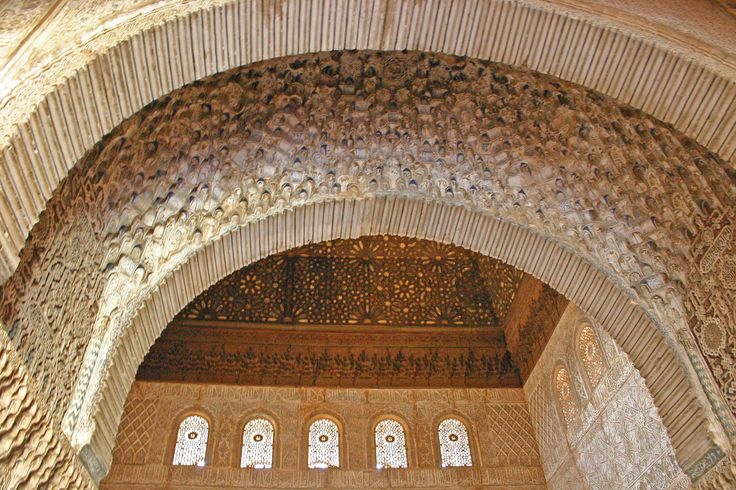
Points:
347	356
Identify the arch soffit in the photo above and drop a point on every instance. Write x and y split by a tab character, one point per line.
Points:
52	117
670	380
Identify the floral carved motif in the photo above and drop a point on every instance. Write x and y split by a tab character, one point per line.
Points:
711	297
367	281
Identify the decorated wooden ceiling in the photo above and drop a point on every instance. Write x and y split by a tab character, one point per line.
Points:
376	280
374	311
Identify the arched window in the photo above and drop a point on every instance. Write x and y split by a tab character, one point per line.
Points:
454	444
324	444
590	354
257	444
390	444
191	441
565	393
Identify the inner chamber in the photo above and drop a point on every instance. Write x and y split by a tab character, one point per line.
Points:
387	361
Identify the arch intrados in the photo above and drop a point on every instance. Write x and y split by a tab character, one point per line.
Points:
687	416
54	117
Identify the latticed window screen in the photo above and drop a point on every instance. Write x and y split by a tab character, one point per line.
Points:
390	445
565	393
257	444
324	445
454	444
191	441
589	351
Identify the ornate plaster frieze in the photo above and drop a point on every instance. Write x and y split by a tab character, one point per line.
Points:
258	154
366	356
86	67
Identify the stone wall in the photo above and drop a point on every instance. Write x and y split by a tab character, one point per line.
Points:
502	438
615	438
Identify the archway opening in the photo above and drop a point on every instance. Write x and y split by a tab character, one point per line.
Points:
451	342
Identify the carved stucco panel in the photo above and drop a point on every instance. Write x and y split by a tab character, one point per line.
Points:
356	410
567	477
624	441
548	428
33	451
617	439
711	297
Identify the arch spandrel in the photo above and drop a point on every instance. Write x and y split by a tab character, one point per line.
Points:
59	98
337	131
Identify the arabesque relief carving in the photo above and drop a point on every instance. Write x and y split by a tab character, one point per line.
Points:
615	437
33	452
567	162
377	280
711	297
501	437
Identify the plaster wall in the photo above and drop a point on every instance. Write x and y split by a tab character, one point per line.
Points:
616	438
502	440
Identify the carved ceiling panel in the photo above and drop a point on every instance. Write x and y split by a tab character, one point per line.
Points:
376	280
378	311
